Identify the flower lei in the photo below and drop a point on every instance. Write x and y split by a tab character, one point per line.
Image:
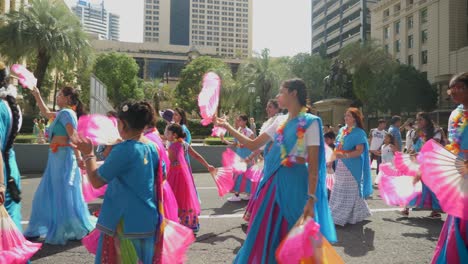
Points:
346	131
458	123
289	160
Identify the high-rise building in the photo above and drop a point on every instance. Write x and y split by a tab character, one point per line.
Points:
336	23
95	19
8	5
224	25
431	35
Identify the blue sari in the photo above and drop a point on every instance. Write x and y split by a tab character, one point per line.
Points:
358	166
59	212
282	195
13	208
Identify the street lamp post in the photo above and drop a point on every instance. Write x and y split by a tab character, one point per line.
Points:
251	91
257	100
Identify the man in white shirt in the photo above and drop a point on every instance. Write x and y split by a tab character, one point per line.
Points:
410	135
376	139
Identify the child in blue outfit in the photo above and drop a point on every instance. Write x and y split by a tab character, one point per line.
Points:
129	219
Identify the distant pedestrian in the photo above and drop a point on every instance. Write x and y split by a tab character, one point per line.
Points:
376	140
394	129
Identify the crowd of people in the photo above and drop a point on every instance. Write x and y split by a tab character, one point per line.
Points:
149	178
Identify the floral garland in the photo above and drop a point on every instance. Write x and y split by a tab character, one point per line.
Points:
290	160
458	123
346	131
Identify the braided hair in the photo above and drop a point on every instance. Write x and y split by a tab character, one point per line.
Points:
75	99
12	187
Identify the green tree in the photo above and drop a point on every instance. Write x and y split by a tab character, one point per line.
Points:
119	73
46	31
265	75
312	69
190	83
405	89
367	62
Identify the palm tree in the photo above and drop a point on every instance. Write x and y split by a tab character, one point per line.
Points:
265	74
45	32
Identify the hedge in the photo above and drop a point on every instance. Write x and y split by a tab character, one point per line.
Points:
194	125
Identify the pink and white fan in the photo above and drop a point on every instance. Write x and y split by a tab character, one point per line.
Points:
406	163
230	159
445	174
14	248
25	77
102	130
176	241
208	99
89	192
397	189
224	180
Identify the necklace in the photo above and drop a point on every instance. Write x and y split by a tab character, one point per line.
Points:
286	159
458	123
346	131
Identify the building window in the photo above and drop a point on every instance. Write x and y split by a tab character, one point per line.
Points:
410	41
397	8
386	33
424	57
397	27
409	2
424	16
386	12
397	46
410	60
410	22
424	36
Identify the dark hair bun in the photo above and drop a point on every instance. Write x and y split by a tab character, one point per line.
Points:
137	114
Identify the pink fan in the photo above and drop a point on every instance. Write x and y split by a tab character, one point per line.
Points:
177	239
231	160
218	131
208	99
330	180
406	164
255	174
89	192
14	248
25	77
99	128
91	241
445	174
224	180
397	189
300	243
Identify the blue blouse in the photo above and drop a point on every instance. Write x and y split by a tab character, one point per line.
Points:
130	171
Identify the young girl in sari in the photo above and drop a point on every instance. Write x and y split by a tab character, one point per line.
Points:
290	191
130	217
180	178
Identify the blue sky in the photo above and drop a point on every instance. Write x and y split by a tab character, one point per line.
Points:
280	25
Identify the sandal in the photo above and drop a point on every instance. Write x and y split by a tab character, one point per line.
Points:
435	215
404	212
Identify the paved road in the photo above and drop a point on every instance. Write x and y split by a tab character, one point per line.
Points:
384	238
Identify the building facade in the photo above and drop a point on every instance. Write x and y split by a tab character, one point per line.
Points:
224	25
431	35
335	23
8	5
96	20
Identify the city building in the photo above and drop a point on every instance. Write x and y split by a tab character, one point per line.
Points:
8	5
336	23
431	35
95	19
159	61
224	25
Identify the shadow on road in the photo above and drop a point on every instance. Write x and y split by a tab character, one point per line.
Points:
49	250
214	238
356	240
433	226
229	208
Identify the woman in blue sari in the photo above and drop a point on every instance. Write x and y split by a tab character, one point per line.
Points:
181	118
10	119
353	182
453	240
290	190
59	212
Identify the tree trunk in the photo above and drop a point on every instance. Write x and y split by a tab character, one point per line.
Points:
43	60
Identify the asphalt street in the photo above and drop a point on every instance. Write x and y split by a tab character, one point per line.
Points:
386	237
